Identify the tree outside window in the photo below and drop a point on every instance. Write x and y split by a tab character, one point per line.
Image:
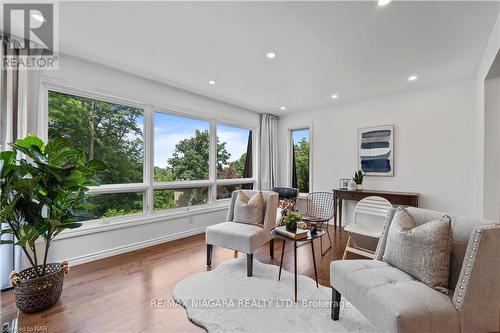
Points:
109	132
300	159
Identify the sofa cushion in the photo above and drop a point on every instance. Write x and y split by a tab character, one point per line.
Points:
249	210
237	236
422	251
392	300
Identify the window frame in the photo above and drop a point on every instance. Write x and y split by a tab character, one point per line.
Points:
148	186
290	155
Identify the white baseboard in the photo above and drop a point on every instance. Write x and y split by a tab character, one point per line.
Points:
132	247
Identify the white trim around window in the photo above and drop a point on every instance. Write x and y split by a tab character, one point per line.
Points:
148	186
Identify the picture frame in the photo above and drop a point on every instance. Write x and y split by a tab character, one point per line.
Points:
343	182
376	150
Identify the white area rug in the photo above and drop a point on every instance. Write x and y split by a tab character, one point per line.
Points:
226	300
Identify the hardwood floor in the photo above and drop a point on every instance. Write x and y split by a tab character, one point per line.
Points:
115	294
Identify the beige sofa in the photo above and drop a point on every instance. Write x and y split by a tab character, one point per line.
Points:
394	301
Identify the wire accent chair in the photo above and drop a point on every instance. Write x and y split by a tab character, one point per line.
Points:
319	212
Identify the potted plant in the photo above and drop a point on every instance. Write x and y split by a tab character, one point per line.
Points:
358	179
41	195
291	219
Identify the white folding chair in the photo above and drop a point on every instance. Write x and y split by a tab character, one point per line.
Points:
369	219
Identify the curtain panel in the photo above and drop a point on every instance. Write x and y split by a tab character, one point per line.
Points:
268	152
19	95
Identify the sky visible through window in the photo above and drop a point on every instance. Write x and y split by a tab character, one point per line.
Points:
236	140
298	135
170	130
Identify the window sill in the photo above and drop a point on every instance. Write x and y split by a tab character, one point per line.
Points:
101	225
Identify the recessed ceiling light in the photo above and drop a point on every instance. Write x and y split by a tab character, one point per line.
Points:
334	96
382	3
38	17
211	82
270	55
412	78
282	108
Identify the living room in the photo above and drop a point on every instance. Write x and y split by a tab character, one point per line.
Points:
195	144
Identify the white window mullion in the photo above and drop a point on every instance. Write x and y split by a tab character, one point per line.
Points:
212	160
148	159
118	188
182	184
235	181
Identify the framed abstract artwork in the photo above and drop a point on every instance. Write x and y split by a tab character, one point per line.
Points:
376	150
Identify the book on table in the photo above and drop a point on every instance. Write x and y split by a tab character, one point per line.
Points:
299	234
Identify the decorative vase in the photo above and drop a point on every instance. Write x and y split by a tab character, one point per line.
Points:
352	186
38	293
359	187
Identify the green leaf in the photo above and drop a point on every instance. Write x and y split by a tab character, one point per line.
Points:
7	156
96	165
22	242
56	145
25	144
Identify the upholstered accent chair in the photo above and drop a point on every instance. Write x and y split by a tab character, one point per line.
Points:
394	301
243	237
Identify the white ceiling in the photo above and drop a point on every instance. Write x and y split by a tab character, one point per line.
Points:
357	50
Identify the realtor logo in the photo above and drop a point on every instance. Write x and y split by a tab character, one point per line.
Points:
30	32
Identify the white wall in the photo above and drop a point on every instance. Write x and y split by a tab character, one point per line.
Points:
82	247
435	144
492	150
486	159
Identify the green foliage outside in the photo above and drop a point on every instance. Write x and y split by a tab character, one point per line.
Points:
302	165
113	133
109	132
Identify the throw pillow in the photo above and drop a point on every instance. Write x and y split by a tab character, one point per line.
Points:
422	251
249	210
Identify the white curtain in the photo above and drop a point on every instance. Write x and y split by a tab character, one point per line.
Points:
19	115
268	152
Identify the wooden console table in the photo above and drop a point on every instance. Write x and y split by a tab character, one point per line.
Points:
396	198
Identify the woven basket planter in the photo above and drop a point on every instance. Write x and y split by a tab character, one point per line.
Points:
38	293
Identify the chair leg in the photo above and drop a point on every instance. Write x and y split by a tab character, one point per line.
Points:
250	264
346	246
271	248
335	304
210	249
329	240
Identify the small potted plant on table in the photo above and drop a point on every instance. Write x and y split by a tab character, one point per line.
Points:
40	196
291	219
358	179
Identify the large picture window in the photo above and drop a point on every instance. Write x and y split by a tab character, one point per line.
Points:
109	132
157	160
300	159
